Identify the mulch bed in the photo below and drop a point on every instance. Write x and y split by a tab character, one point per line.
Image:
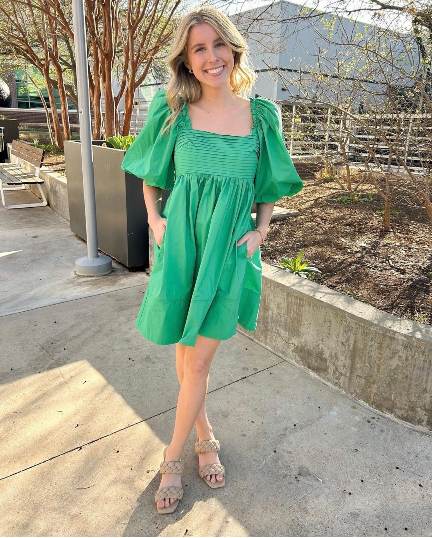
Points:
343	238
54	161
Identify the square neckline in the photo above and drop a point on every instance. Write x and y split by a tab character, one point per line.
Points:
251	133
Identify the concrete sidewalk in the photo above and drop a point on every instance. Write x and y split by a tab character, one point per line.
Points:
87	405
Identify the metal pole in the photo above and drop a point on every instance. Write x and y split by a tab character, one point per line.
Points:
93	264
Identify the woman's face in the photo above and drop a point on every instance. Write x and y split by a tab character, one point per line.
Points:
206	54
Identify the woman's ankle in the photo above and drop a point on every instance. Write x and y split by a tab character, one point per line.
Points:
173	454
204	432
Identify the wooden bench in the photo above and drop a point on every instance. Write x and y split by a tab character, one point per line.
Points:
17	178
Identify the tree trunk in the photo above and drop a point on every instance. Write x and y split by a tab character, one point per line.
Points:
424	197
108	101
58	135
428	207
54	57
387	208
47	113
107	68
96	93
63	101
128	108
348	176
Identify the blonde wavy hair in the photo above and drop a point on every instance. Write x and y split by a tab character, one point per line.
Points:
183	87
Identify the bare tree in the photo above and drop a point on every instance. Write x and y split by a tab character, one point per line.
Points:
124	39
30	33
364	101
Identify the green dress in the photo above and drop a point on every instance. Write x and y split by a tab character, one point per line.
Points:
201	282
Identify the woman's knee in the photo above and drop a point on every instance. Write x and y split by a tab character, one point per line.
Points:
196	366
198	358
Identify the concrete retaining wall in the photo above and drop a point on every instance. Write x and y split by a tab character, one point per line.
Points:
373	356
55	188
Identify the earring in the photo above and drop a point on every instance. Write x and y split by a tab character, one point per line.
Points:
190	71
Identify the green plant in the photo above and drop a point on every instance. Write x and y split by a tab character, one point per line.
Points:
326	174
120	142
354	198
299	266
346	199
50	149
421	317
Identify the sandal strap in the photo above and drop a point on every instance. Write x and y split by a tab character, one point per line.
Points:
211	468
207	445
174	466
166	492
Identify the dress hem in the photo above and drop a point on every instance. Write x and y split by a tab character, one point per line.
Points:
189	342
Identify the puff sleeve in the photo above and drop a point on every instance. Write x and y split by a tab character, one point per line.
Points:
150	157
276	175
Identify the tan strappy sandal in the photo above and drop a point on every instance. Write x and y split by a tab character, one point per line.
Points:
175	492
210	445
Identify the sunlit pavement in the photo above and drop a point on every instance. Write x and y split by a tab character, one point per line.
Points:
87	405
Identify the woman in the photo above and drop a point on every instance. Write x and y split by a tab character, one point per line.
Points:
218	153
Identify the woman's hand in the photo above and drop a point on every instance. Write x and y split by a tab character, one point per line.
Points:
158	225
253	239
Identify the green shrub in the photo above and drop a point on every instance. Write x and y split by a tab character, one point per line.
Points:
50	149
120	142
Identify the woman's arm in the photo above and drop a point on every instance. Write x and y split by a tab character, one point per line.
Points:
263	216
151	197
157	224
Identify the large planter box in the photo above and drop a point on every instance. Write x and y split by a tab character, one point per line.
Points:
121	215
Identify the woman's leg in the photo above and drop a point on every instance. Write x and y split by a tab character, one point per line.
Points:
197	360
203	427
202	424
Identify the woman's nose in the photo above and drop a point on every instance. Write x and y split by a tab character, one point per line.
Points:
212	54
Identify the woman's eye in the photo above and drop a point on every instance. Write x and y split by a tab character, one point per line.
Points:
220	44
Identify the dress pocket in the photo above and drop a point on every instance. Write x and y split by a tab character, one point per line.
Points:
157	255
241	261
157	247
242	250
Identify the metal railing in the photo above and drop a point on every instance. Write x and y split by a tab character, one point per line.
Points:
387	141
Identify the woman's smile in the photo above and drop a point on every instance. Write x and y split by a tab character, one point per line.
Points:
215	71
